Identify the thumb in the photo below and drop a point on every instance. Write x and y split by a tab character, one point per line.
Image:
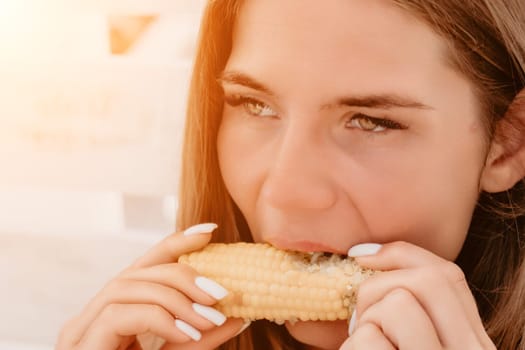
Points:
346	345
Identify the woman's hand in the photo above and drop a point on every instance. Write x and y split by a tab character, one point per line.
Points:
155	295
421	301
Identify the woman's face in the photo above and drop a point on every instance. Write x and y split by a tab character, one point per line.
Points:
344	122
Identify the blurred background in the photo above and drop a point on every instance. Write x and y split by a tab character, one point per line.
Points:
92	101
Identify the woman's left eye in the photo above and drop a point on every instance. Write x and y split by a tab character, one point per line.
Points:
372	124
252	106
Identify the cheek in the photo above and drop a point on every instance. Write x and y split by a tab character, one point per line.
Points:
423	192
425	197
434	221
239	162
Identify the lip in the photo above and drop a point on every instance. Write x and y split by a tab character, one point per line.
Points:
301	245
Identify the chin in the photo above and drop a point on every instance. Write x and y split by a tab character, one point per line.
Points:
319	334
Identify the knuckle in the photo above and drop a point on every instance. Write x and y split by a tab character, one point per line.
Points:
151	312
68	325
111	312
155	311
363	291
401	245
367	286
65	339
127	272
172	243
182	269
143	324
114	288
400	297
398	249
117	284
452	272
366	332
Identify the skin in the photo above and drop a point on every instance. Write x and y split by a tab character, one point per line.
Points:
312	173
145	299
309	173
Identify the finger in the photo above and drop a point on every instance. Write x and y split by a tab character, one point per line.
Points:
435	294
367	336
404	255
181	277
133	346
112	292
138	292
396	255
119	321
199	316
69	335
403	321
171	247
212	339
166	251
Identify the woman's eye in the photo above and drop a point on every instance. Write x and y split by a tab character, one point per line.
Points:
252	106
371	124
258	109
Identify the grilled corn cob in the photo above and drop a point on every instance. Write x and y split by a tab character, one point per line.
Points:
268	283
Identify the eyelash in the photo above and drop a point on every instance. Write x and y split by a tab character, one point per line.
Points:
384	123
237	100
245	101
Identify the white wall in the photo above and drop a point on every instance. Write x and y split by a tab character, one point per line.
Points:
89	151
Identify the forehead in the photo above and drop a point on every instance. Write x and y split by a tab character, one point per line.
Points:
356	36
311	49
376	23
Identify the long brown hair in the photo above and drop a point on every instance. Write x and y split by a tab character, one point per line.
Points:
487	44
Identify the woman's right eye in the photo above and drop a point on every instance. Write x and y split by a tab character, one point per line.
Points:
251	105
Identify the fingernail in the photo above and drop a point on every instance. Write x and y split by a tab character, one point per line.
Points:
188	330
364	249
211	287
243	328
200	228
351	326
209	313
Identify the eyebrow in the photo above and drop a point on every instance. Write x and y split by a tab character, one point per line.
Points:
383	101
244	80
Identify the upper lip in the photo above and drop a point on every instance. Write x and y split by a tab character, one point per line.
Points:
302	245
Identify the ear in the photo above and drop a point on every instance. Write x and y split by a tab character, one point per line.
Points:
505	163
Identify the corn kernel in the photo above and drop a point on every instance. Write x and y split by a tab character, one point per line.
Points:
267	283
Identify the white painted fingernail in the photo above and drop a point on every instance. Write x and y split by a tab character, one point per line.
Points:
209	313
211	287
188	330
243	328
351	326
200	228
364	249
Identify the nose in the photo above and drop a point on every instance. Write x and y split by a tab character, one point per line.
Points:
299	177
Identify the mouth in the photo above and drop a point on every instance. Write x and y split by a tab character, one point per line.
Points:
303	245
